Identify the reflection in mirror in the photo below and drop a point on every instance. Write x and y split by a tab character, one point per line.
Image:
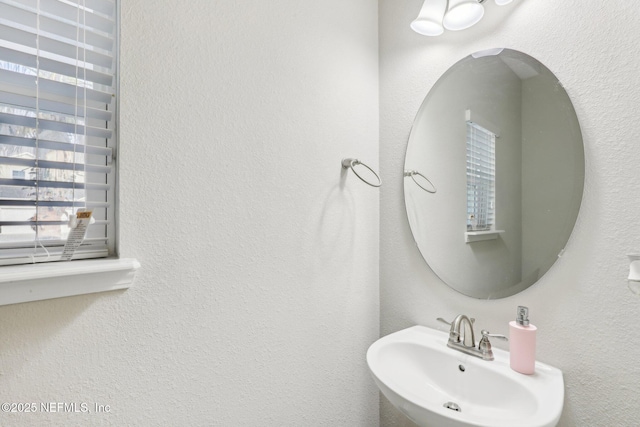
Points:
498	137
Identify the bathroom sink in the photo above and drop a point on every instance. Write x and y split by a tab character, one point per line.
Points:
436	386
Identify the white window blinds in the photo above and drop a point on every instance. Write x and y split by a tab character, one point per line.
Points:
57	101
481	177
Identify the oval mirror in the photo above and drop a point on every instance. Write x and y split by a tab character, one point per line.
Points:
494	173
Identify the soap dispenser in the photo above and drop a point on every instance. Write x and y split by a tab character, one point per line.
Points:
522	343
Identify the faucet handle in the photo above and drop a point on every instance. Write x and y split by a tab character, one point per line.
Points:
484	346
488	335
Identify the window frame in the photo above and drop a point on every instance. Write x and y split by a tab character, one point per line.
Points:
21	283
481	173
492	233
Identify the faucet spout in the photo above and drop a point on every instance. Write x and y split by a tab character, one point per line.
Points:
461	331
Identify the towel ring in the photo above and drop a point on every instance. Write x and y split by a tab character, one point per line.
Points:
350	163
413	174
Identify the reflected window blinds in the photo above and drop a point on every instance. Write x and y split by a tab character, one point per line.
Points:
481	177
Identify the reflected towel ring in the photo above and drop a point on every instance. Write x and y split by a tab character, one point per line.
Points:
350	163
413	174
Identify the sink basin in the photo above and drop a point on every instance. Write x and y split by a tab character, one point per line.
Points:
436	386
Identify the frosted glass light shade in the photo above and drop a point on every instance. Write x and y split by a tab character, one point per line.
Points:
487	52
503	2
429	20
463	14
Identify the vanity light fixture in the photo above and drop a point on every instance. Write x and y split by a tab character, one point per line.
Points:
454	15
462	14
429	21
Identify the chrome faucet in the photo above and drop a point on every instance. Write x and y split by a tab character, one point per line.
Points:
467	337
462	338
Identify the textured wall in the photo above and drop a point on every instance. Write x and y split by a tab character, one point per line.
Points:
582	307
258	293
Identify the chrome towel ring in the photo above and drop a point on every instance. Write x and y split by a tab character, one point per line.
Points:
350	163
413	174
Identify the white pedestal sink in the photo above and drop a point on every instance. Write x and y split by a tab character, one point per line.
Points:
436	386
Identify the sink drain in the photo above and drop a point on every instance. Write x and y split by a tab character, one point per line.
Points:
453	406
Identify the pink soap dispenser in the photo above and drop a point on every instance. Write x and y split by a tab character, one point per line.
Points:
522	343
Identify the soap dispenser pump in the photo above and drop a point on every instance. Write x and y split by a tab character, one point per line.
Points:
522	343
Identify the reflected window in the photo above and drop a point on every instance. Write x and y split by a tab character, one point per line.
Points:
481	177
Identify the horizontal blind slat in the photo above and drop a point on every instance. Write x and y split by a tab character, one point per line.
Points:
26	100
49	164
56	145
53	203
33	255
54	64
53	35
50	89
44	223
105	7
15	83
25	40
54	184
69	13
61	12
53	125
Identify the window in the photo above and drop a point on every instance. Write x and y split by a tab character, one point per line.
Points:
57	126
481	177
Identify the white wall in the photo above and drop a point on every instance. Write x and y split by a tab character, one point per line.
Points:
582	307
258	293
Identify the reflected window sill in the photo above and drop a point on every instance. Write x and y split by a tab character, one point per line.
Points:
480	235
35	282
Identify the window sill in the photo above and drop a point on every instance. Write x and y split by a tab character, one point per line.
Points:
478	236
34	282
